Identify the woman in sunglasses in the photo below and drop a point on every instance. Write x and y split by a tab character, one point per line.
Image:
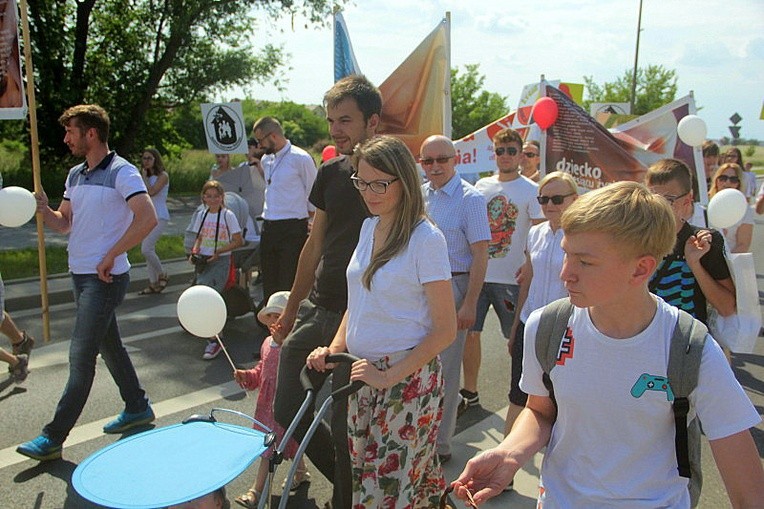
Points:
400	316
739	235
748	179
540	283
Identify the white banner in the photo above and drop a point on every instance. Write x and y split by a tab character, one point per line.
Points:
224	128
474	152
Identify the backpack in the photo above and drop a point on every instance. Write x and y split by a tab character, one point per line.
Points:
687	343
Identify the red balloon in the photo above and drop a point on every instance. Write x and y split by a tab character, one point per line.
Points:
545	112
329	152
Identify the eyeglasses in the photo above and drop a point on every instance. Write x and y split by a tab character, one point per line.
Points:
530	155
260	140
440	160
512	151
376	186
557	199
671	198
147	158
724	178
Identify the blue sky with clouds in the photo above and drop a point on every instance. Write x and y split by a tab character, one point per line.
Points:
717	48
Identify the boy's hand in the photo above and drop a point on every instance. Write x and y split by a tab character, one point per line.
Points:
486	475
697	246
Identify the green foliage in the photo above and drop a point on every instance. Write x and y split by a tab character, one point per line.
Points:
142	60
656	86
749	151
471	106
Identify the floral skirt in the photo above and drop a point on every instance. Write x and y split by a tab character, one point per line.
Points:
392	438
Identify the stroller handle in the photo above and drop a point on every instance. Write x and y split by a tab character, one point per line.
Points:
342	392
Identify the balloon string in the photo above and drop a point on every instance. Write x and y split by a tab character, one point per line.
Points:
225	351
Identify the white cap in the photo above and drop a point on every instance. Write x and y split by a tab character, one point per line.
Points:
276	304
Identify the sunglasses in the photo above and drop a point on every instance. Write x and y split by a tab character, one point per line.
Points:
530	155
512	151
376	186
557	199
724	178
440	160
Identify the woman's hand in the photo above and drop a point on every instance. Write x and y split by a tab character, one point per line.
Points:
365	371
317	359
485	475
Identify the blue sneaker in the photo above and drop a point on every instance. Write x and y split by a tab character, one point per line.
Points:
41	448
126	421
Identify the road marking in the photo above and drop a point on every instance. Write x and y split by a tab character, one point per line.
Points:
93	430
54	354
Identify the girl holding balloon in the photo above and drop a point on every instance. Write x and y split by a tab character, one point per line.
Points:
739	235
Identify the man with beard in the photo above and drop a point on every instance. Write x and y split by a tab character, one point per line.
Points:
289	174
353	106
106	210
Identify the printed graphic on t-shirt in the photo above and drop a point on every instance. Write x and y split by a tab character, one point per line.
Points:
566	347
677	286
502	218
647	382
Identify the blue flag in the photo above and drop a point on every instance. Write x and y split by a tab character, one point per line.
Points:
345	63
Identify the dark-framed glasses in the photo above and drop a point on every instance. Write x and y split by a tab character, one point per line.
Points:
376	186
557	199
427	161
732	179
499	151
672	198
530	155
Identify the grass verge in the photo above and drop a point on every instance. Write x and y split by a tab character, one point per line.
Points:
22	263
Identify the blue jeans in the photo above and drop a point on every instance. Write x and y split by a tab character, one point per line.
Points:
503	298
95	331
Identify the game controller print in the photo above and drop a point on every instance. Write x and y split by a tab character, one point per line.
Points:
648	382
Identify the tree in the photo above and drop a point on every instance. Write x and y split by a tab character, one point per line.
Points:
140	59
656	86
471	106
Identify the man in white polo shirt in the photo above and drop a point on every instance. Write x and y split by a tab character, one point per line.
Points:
289	175
106	211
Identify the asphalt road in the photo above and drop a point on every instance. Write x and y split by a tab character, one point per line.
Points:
180	383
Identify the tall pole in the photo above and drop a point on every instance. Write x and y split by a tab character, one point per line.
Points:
31	101
636	59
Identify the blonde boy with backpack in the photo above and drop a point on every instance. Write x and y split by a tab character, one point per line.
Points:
609	423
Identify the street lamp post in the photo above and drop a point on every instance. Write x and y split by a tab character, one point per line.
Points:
636	59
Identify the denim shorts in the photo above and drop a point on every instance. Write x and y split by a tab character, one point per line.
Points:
503	298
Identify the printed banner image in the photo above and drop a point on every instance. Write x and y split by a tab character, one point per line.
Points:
12	98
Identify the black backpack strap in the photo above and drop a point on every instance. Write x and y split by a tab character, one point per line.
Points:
552	325
687	344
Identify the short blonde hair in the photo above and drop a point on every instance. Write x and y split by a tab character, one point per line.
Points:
639	221
561	176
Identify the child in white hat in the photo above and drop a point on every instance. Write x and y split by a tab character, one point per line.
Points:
263	376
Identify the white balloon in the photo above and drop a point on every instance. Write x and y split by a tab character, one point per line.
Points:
202	311
692	130
17	206
726	208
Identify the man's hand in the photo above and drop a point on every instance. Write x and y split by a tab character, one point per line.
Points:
42	202
465	317
104	269
697	246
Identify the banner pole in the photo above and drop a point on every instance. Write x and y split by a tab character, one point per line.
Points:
35	145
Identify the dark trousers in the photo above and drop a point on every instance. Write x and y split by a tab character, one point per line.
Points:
315	326
95	331
280	247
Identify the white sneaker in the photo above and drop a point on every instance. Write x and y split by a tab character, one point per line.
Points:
212	350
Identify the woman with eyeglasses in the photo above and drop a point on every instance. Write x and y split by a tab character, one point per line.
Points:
157	182
739	235
400	316
540	282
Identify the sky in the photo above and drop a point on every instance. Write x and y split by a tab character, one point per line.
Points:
716	48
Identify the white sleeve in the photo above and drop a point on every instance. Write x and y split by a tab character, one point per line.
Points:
532	379
720	402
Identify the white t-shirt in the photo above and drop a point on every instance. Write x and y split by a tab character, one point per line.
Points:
546	258
226	228
511	206
730	234
609	448
393	316
289	177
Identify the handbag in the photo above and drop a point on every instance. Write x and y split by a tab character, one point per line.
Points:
739	331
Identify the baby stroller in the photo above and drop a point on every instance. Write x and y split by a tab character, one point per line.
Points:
244	260
182	462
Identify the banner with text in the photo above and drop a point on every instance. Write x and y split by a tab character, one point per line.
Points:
474	152
580	146
13	103
417	95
